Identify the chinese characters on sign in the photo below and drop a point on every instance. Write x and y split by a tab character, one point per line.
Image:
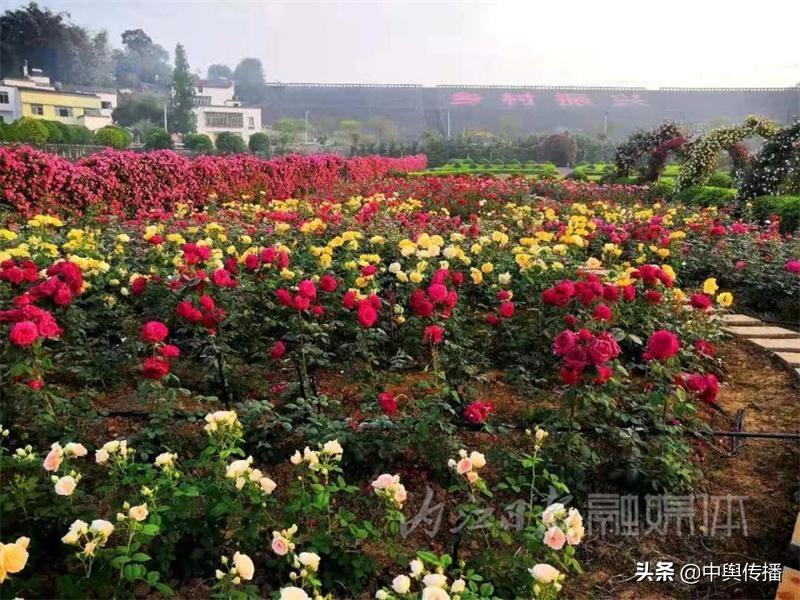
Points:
465	99
614	514
691	573
526	99
621	100
563	99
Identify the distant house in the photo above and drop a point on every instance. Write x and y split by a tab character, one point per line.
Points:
218	111
34	96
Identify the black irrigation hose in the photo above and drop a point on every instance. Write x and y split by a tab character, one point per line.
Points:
743	434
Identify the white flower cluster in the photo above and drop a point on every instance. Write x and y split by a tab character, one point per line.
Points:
435	585
166	461
242	568
223	421
545	575
319	461
468	465
390	489
117	451
564	526
88	537
243	472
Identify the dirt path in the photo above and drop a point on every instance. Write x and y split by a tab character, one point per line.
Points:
766	472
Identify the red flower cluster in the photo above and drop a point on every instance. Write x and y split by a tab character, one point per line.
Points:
583	350
193	254
438	298
268	256
505	311
661	345
16	274
704	386
157	366
478	412
209	315
587	292
367	308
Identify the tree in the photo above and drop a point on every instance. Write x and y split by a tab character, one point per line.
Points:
560	149
249	80
198	142
183	118
141	61
230	143
48	41
289	128
157	139
113	137
258	143
54	133
384	129
220	72
351	129
79	134
132	108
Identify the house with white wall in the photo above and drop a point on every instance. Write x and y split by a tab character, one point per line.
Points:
217	110
10	109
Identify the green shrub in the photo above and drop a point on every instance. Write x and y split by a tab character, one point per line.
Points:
55	135
113	137
230	143
28	130
786	207
661	189
705	195
578	176
79	134
198	142
157	139
259	143
720	179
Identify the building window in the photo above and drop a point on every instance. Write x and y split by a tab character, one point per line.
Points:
105	104
37	109
251	123
224	120
202	100
3	97
64	111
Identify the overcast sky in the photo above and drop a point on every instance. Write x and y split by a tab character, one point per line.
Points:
535	42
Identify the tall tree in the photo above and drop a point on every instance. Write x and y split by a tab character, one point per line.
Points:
48	41
141	61
249	80
220	72
183	117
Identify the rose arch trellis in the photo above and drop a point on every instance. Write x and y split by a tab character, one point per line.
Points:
656	144
776	165
701	156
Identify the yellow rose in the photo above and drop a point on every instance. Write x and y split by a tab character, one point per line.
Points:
725	299
710	286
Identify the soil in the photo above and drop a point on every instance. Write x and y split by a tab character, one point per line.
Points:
767	472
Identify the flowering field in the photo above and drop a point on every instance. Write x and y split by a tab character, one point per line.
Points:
226	379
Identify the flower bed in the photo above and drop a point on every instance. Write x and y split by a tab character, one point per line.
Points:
197	351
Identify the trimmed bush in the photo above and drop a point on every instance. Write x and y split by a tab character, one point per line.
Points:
664	188
28	130
786	207
704	195
79	134
158	139
113	137
230	143
198	142
259	143
55	135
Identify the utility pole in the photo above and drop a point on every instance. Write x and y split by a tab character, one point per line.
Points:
306	127
448	124
165	116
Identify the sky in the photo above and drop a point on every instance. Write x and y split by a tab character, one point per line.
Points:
697	43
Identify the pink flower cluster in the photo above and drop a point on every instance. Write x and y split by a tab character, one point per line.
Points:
126	182
586	350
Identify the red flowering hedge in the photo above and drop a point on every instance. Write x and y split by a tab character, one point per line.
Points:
32	181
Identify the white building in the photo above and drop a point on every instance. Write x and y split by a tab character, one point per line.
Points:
217	111
10	109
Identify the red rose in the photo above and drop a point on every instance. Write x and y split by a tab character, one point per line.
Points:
492	319
603	375
349	300
433	334
278	350
35	384
367	315
564	342
369	270
610	293
301	302
793	266
24	333
222	278
507	310
252	261
154	332
700	301
155	368
705	348
662	344
603	313
307	289
652	296
601	351
139	286
629	293
478	412
169	351
284	297
711	391
568	376
576	359
388	403
437	292
328	283
186	310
